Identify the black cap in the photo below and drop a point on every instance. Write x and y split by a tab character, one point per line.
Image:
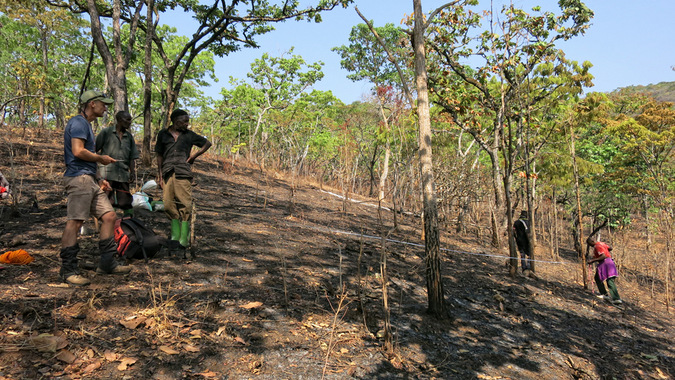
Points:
178	113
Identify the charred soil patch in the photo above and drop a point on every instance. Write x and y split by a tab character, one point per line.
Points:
285	285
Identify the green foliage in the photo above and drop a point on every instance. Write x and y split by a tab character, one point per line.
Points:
499	84
225	27
366	59
275	102
647	144
44	52
201	69
631	138
235	149
282	79
501	79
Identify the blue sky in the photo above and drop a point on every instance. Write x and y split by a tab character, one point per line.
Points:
629	43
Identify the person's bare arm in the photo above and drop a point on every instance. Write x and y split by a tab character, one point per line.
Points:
132	171
160	178
201	151
82	153
599	258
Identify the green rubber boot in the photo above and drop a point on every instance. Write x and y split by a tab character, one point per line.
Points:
175	229
184	234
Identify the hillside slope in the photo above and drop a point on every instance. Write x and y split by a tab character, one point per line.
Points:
288	287
663	91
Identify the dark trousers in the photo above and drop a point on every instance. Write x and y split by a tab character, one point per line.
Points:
120	196
613	291
525	253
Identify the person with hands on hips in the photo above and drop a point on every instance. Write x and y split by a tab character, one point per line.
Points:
174	166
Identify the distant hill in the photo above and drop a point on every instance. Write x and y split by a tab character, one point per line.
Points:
664	91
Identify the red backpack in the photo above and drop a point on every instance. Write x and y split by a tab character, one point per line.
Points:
135	240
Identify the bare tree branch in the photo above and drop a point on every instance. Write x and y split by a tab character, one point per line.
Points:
406	88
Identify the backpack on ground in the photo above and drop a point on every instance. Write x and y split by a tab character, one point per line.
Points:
135	240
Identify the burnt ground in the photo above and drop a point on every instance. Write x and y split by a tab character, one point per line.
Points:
274	292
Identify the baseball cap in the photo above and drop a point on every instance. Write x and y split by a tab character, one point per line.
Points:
90	95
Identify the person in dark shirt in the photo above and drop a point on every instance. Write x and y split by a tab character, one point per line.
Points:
174	166
85	191
521	233
117	141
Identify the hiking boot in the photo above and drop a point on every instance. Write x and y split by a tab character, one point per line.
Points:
617	302
108	264
76	279
70	271
87	263
118	269
69	260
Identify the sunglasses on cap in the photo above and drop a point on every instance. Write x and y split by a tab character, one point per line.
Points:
102	96
92	95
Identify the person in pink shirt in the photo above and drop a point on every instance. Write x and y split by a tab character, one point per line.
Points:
605	270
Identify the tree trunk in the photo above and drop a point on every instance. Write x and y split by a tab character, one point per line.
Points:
554	237
45	62
99	41
648	233
371	171
119	81
580	232
115	67
435	293
384	277
498	202
387	153
513	251
508	157
529	197
669	255
147	87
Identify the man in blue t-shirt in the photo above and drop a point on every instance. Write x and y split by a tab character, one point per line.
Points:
86	192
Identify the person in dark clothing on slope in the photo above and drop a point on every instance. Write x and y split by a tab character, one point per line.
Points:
521	233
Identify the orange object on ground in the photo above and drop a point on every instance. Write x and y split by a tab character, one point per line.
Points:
16	257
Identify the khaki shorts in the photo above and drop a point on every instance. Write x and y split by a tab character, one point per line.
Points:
85	198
